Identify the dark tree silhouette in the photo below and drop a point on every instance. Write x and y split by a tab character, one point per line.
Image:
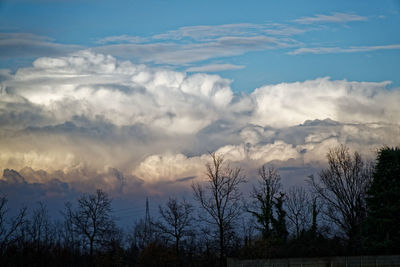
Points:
383	202
279	224
68	235
9	227
220	199
299	207
343	187
175	221
92	219
263	197
40	229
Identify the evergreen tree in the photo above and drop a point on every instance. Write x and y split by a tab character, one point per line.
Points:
279	224
382	229
263	196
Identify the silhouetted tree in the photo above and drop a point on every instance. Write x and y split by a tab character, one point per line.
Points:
315	211
383	202
138	238
40	229
342	187
143	230
279	223
68	235
92	219
175	221
220	199
248	228
299	208
9	227
262	205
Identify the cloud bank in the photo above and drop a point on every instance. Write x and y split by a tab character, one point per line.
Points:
88	120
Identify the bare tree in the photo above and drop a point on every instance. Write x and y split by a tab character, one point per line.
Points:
247	231
68	236
9	227
263	198
176	219
299	207
92	218
342	187
220	199
40	228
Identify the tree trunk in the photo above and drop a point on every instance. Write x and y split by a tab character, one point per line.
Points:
221	246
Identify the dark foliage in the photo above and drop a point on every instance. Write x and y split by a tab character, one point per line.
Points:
382	228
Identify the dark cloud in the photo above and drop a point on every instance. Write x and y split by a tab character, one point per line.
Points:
184	179
13	177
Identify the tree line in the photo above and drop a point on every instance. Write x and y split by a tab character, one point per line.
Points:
351	208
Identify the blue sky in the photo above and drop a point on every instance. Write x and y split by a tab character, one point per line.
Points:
353	40
131	96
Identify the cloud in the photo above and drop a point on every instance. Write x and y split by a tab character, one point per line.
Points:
181	46
17	45
335	50
198	43
288	104
87	84
215	68
122	39
176	53
336	17
90	120
212	32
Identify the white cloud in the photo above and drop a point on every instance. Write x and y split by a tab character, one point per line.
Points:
209	32
122	39
197	43
334	50
88	113
181	46
214	68
169	167
288	104
336	17
95	85
182	52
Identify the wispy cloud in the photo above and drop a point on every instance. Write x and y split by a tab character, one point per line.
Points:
334	18
215	68
352	49
209	32
15	45
182	46
197	43
182	53
122	39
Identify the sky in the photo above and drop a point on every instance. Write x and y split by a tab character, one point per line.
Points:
132	96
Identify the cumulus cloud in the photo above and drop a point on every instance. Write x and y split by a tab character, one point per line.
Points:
91	85
89	120
288	104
